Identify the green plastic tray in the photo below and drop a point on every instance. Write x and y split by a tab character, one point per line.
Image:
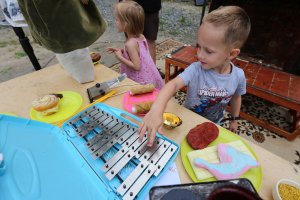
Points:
225	136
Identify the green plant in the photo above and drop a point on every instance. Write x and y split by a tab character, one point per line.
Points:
174	32
162	23
3	44
5	70
182	20
20	54
6	43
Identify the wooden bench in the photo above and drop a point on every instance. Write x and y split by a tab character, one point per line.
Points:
272	85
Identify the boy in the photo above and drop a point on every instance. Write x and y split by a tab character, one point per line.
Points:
214	81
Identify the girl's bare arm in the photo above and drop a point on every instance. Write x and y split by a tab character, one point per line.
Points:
132	48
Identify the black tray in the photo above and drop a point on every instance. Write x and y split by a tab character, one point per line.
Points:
195	190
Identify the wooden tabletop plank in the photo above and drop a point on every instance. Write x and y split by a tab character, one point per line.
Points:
17	95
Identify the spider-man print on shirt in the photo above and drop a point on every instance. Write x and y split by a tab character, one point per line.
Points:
212	102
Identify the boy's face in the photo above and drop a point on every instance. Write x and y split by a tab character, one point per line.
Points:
212	51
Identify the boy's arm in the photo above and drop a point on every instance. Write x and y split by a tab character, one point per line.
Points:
235	104
153	119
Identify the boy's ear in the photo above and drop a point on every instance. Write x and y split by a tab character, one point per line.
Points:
234	53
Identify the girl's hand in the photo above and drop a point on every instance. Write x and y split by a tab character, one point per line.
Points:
111	49
233	126
118	53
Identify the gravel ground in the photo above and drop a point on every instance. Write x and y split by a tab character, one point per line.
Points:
179	21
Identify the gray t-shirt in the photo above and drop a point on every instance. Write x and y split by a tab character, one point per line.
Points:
209	92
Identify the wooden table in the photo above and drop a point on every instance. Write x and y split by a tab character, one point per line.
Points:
17	95
272	85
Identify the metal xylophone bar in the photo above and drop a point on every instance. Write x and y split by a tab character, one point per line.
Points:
113	130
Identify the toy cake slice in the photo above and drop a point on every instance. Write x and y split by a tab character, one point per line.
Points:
210	155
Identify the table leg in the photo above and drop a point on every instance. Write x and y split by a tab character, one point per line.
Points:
175	70
296	119
24	41
289	136
167	71
277	130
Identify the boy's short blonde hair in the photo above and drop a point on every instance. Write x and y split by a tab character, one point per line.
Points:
131	13
235	19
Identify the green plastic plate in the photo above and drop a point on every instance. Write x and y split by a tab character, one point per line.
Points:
225	136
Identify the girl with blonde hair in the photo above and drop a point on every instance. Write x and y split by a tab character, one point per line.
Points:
135	57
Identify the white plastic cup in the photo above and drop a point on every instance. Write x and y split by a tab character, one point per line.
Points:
78	64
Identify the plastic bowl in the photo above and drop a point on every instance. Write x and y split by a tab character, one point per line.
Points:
171	120
276	194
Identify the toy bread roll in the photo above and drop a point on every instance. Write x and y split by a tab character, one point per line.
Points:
141	89
46	105
142	108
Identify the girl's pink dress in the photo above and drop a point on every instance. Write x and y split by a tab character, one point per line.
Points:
148	72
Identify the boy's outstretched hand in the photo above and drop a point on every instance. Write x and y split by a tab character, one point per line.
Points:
152	123
153	120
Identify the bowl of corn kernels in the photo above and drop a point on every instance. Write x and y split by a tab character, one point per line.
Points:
286	189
